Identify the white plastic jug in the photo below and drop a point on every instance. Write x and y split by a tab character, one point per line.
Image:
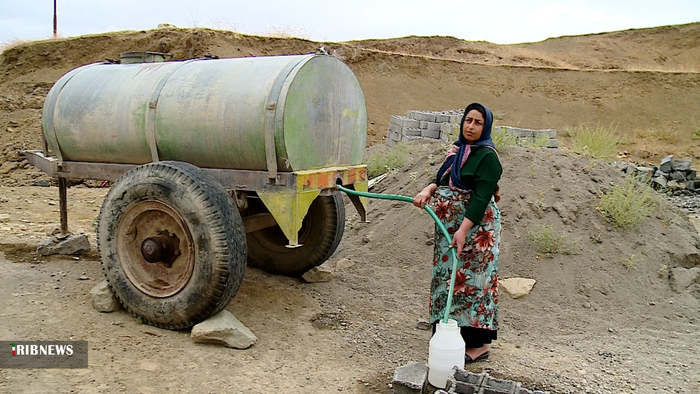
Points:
446	351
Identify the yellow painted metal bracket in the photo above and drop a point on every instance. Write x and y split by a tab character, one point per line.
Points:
289	207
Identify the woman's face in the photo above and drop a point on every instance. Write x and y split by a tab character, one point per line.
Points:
473	126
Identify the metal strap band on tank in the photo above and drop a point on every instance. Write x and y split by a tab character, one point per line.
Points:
152	104
270	124
50	108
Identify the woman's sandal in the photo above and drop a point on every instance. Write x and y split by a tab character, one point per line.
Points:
482	356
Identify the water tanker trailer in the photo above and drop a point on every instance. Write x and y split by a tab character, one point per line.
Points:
215	163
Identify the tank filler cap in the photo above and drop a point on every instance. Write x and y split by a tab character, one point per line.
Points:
132	57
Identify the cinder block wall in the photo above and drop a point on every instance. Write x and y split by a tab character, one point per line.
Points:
444	125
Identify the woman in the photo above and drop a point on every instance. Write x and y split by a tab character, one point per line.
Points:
466	192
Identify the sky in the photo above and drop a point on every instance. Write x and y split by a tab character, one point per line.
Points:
496	21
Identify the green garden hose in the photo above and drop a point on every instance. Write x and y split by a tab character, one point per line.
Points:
437	221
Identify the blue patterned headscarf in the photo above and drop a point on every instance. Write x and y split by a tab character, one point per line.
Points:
456	161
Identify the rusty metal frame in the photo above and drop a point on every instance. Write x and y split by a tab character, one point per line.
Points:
297	189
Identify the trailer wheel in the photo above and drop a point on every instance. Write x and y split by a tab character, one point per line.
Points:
172	244
320	235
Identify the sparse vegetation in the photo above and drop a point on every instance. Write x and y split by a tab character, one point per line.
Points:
630	262
599	142
392	159
665	134
503	140
696	134
627	205
548	241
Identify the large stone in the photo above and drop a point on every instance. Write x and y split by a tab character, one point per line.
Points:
681	164
678	176
318	274
517	287
682	278
410	378
223	329
72	244
666	164
103	300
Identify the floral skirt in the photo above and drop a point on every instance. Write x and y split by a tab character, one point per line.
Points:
475	296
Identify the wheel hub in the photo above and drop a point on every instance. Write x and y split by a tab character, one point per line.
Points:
155	247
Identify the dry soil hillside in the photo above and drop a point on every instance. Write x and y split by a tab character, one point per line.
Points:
617	313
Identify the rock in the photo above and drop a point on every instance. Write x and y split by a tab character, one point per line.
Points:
71	244
678	176
223	329
318	274
517	287
4	217
103	299
8	166
660	180
424	325
410	378
666	164
681	164
344	264
682	278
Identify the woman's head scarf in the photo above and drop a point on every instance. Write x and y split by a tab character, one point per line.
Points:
461	149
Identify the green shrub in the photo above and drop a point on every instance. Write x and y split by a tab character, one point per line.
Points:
392	159
548	241
599	142
502	139
627	205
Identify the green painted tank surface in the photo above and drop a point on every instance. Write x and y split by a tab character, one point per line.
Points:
219	113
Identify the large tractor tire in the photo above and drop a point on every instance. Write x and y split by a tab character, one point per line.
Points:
319	235
172	244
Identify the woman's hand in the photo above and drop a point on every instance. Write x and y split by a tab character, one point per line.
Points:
459	238
424	196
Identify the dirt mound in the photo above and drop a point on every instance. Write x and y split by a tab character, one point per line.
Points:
667	48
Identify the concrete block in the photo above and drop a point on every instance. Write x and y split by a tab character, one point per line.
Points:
391	143
395	127
553	143
430	134
411	114
424	124
410	378
432	126
396	119
411	132
427	117
440	118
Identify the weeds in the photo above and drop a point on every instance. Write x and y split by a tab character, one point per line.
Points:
630	262
696	134
503	140
664	134
393	159
548	241
627	205
599	142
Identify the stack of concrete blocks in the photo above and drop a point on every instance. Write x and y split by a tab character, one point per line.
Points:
445	126
528	136
412	379
670	174
423	124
